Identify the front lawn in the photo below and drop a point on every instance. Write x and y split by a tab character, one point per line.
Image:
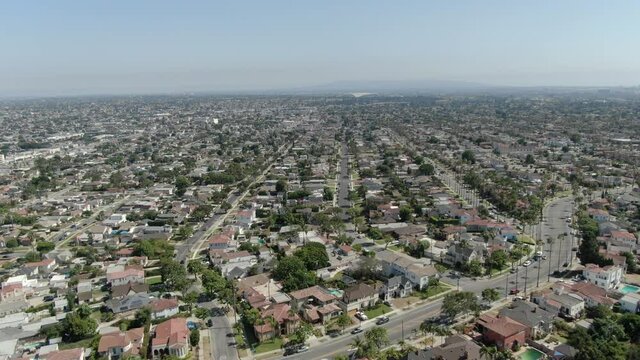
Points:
526	239
378	310
274	344
153	280
432	291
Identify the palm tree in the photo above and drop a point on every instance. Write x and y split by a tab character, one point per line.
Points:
274	325
488	352
550	242
560	240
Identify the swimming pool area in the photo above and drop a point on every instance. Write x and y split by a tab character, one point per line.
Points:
531	354
626	289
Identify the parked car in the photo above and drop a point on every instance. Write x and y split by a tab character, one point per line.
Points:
362	316
382	320
513	291
357	330
526	263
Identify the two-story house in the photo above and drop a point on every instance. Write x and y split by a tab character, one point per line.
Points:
358	296
417	272
607	277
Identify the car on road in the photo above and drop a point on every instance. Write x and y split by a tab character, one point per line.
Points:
514	291
526	263
357	330
209	323
513	271
382	320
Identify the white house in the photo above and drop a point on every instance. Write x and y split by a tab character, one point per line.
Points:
115	219
400	264
629	302
607	277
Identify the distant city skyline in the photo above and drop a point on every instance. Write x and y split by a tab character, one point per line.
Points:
123	47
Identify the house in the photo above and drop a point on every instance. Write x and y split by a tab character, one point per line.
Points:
170	338
42	267
69	354
128	303
400	264
276	319
84	291
396	287
630	302
504	332
455	347
315	295
461	253
115	219
219	242
120	291
116	345
120	275
12	292
591	294
345	250
624	237
567	305
358	296
607	277
161	308
98	233
598	215
538	321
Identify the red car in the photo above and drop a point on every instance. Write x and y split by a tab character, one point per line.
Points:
514	291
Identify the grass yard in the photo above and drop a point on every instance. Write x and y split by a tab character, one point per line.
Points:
270	345
526	239
379	310
395	248
153	280
86	343
433	291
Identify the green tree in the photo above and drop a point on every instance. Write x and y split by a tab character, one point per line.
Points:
631	324
468	156
490	294
426	169
293	274
142	317
281	185
314	255
459	302
474	268
406	213
182	183
377	336
12	243
194	337
174	275
45	246
190	298
79	325
195	267
498	260
32	256
343	321
201	313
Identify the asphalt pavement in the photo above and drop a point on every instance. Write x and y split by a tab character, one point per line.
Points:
403	322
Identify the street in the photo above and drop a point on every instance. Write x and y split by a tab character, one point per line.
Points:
404	321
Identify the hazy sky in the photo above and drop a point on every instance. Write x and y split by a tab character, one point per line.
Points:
118	46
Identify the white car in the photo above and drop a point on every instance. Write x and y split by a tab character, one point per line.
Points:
362	316
526	263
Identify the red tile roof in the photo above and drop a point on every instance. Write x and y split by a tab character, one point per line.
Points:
171	333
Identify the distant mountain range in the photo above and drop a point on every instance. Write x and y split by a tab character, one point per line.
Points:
408	86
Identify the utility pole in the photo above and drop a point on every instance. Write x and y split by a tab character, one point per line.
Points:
526	277
549	274
506	286
560	251
539	266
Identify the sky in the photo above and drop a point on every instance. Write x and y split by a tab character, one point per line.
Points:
60	47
